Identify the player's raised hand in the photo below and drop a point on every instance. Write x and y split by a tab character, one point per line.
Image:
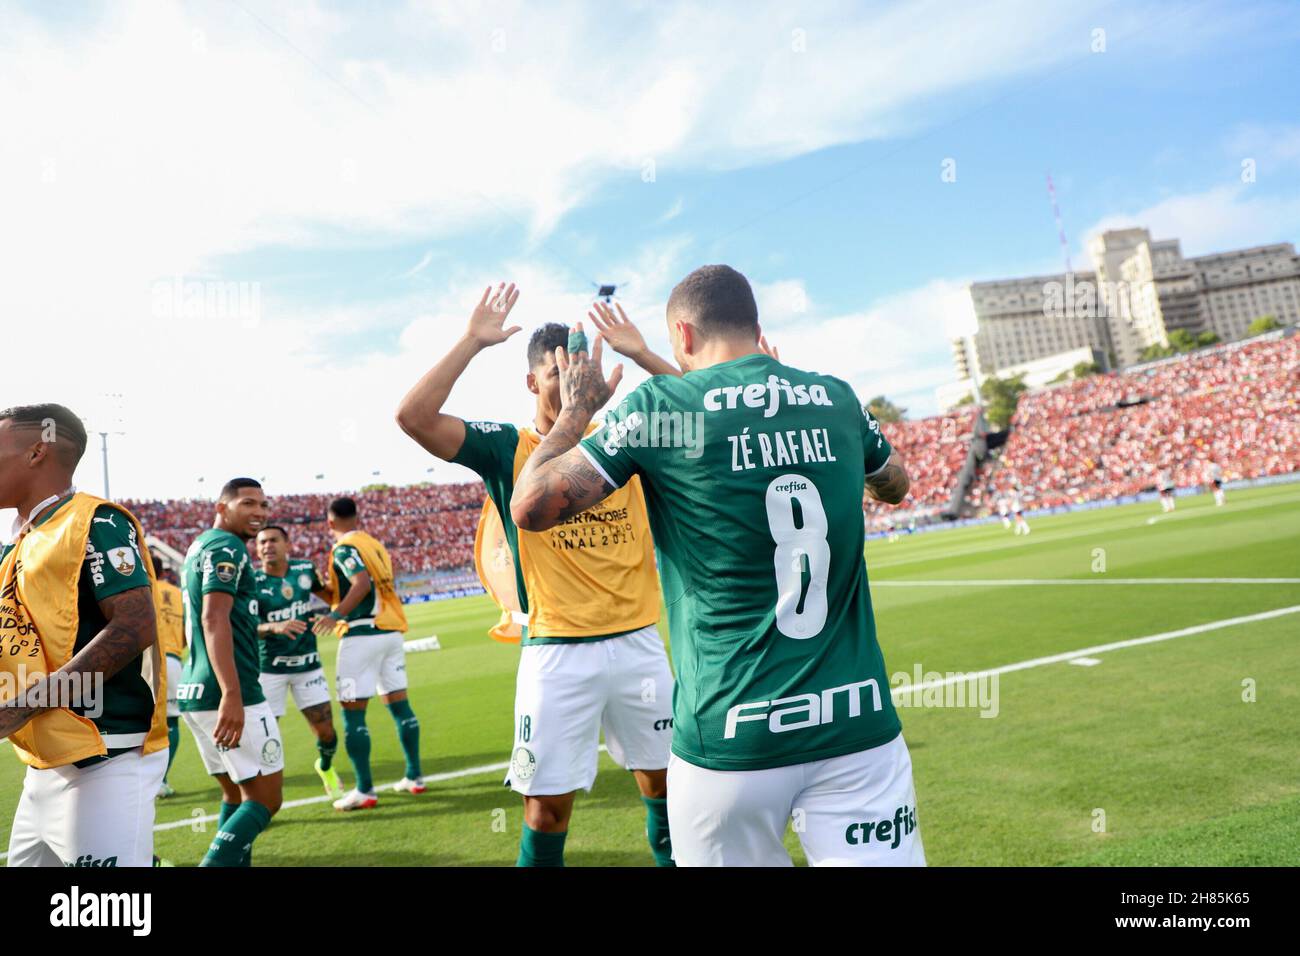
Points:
617	329
486	323
768	349
583	385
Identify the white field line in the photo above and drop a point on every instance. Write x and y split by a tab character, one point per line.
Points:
1096	649
896	692
1053	582
881	560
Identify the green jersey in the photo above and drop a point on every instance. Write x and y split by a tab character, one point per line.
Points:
347	565
113	564
217	562
288	598
754	473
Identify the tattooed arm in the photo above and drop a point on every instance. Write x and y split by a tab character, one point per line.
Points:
891	483
131	630
558	481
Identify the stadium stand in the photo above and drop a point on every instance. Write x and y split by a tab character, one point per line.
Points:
1101	437
933	449
1109	436
426	528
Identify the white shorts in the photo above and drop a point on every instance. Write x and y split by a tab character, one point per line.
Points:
174	670
100	816
370	664
854	810
566	693
309	689
259	752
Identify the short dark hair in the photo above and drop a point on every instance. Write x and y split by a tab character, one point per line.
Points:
276	527
717	300
68	433
230	490
545	341
344	508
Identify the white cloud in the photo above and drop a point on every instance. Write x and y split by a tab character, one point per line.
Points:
148	141
1216	219
896	346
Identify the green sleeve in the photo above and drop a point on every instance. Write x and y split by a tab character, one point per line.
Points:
489	450
113	557
222	563
875	446
347	562
316	583
615	448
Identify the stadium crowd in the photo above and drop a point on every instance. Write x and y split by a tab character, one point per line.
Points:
1111	436
933	449
426	528
1100	437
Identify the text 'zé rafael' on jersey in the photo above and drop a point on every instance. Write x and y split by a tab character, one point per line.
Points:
288	598
217	562
754	473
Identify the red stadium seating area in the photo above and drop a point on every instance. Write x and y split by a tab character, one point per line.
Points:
1235	406
933	449
426	528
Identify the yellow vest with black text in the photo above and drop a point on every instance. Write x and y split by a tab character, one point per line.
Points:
39	615
389	615
592	575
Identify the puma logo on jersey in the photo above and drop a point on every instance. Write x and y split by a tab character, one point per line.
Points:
109	520
801	711
765	395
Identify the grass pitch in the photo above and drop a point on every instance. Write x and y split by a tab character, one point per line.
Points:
1177	752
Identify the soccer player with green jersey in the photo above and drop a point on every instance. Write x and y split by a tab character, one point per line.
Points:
221	698
290	660
78	641
592	658
783	703
367	614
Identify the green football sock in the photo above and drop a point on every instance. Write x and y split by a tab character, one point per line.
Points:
356	740
173	741
408	732
327	750
656	831
233	843
541	849
226	810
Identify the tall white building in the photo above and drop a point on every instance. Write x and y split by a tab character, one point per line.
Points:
1140	292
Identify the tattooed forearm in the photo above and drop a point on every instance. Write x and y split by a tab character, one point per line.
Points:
131	629
557	482
891	483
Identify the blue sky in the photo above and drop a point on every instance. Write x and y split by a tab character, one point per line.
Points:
369	173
